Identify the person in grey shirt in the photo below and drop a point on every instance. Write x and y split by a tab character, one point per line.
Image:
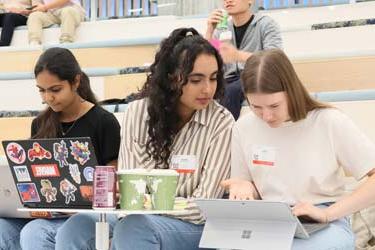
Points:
250	32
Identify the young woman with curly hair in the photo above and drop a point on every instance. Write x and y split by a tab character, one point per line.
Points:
177	116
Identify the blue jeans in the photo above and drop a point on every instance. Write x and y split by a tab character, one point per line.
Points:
154	232
337	236
10	229
40	234
76	232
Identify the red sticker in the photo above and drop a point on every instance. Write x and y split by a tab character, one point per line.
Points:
265	163
86	192
38	152
16	153
40	214
45	170
28	192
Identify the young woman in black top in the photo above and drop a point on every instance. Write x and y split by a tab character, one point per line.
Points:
72	111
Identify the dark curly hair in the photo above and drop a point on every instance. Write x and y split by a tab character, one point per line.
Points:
168	74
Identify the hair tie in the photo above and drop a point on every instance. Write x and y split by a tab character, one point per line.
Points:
189	33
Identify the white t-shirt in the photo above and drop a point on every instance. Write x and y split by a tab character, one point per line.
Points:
300	161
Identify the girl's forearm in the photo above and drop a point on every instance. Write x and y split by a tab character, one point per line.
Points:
362	197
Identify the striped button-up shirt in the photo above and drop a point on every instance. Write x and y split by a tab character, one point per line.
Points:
207	136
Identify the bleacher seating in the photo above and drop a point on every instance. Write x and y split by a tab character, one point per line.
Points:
336	64
325	60
106	83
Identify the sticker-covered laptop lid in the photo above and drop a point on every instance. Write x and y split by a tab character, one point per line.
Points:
52	173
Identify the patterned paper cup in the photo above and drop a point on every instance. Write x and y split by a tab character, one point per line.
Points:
162	184
132	184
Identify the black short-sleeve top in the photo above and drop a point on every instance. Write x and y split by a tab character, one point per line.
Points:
98	124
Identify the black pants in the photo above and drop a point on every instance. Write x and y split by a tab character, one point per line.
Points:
233	96
8	22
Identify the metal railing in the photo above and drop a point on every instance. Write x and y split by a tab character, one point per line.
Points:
106	9
280	4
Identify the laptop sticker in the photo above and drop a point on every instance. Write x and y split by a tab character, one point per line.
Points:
80	151
74	172
67	189
38	152
45	170
40	214
22	174
88	173
86	192
48	191
60	153
16	153
28	192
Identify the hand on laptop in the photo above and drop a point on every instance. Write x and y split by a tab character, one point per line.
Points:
240	189
306	209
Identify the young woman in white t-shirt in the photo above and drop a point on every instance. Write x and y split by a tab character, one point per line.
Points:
294	149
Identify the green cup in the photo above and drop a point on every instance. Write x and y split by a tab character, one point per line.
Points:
132	183
162	184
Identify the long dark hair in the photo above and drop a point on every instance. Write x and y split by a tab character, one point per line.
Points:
271	71
168	74
61	63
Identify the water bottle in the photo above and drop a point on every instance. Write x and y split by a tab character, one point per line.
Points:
225	35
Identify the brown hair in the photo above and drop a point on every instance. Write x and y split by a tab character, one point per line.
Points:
270	71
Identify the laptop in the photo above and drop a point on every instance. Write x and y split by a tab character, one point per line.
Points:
52	173
257	224
10	201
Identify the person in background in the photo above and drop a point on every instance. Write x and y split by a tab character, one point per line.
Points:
294	149
67	13
14	14
250	33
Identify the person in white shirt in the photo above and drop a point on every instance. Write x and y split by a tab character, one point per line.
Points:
67	13
294	149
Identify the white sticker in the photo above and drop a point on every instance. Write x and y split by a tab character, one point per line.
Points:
22	173
184	163
263	156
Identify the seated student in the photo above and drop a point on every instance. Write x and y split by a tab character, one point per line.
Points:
178	116
68	13
250	32
72	112
292	148
15	14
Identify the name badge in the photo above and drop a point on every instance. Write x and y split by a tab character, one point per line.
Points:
263	156
184	163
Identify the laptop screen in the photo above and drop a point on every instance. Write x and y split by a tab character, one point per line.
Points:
52	173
